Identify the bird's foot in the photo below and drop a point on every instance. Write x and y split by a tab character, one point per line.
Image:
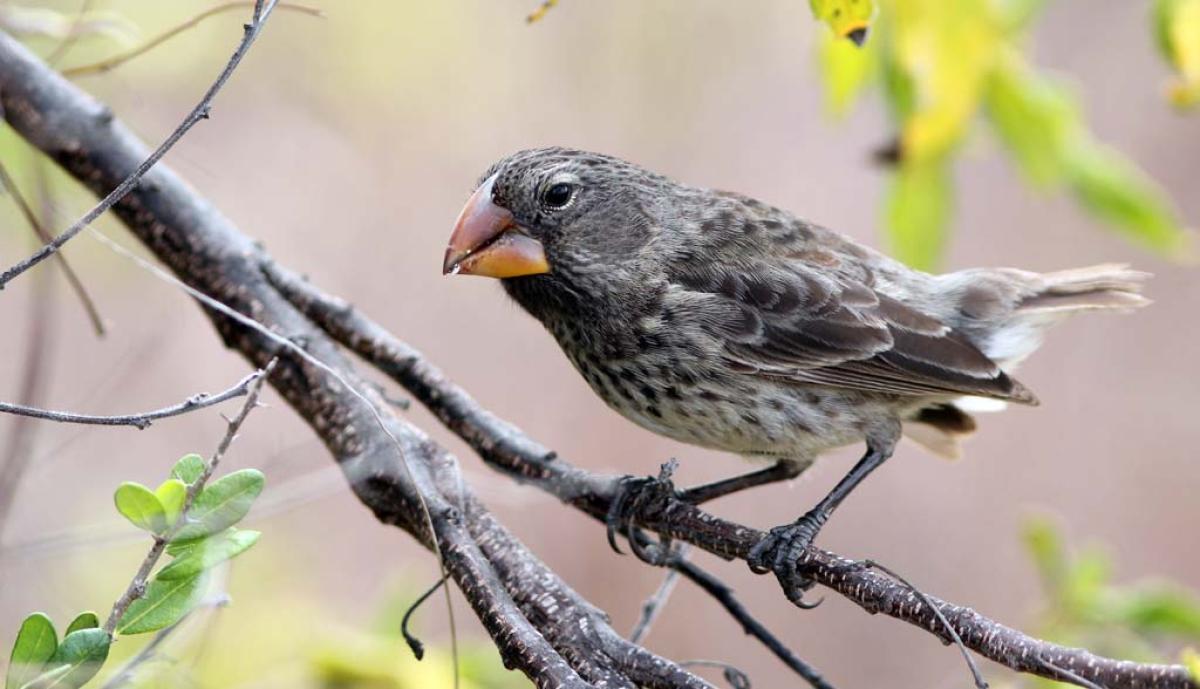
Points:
634	495
781	551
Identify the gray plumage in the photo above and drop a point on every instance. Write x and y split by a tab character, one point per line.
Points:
721	321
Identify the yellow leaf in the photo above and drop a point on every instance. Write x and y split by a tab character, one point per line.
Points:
847	18
845	70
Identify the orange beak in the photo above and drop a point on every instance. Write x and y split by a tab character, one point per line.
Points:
487	241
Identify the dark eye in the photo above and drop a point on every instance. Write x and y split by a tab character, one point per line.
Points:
558	195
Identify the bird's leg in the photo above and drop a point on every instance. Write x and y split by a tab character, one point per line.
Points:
784	545
782	470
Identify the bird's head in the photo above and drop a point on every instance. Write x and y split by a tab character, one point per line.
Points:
557	223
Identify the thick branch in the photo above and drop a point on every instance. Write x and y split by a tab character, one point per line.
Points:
504	447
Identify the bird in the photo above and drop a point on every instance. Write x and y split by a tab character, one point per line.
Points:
724	322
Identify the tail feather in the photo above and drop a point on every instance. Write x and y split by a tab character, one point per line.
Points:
1105	286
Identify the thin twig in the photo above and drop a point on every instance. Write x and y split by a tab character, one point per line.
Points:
114	61
735	676
137	587
43	234
724	595
200	112
654	605
414	644
141	420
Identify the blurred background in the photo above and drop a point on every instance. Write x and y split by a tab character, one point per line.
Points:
348	144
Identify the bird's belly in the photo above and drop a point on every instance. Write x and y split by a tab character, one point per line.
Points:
723	411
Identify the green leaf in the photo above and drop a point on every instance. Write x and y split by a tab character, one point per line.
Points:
918	210
82	652
1035	119
847	18
222	504
1085	586
208	553
1117	191
35	645
141	507
189	468
845	71
1163	610
1045	545
171	495
84	620
164	603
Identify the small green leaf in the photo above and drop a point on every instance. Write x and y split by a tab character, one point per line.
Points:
84	620
1035	119
164	603
189	468
1162	610
918	210
222	504
82	652
1044	543
1117	191
35	645
171	495
208	553
845	71
141	507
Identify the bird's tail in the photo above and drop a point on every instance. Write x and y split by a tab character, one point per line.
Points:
1104	286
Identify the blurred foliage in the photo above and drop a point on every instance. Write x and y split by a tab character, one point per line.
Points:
944	67
1177	29
1149	621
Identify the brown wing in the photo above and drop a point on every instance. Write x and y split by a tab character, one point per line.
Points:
787	319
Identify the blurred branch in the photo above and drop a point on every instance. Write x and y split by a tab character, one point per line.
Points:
114	61
43	234
19	444
137	586
103	115
140	421
72	36
539	624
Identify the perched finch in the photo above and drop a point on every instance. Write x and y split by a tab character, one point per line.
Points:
718	320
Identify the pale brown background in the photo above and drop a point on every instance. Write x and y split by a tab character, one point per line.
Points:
348	145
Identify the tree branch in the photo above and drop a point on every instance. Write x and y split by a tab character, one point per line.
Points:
141	420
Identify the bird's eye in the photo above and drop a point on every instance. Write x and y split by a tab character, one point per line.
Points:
558	195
